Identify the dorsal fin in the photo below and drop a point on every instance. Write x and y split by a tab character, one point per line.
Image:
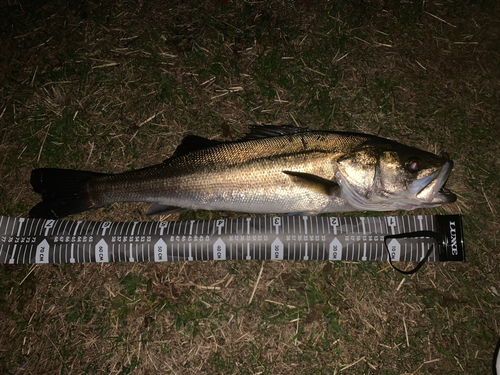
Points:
193	143
267	131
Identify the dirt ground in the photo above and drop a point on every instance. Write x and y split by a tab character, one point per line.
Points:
108	86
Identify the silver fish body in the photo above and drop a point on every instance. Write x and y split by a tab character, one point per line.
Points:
272	170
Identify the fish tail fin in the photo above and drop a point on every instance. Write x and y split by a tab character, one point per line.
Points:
63	192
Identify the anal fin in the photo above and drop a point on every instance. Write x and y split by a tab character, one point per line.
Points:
162	209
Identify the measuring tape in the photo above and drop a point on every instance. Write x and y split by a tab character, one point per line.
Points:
24	241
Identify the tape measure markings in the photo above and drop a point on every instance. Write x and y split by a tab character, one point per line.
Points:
289	237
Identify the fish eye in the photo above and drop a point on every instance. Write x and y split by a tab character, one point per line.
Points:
413	164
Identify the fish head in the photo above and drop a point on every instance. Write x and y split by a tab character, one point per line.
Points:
386	176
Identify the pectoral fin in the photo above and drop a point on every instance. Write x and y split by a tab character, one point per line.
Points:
313	182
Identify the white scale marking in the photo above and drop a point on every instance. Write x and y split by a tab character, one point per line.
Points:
335	252
131	247
335	248
391	221
101	248
249	220
395	250
334	222
219	250
362	219
131	257
190	256
11	260
42	249
163	225
42	252
220	224
370	231
105	225
394	245
277	247
21	221
160	249
1	222
101	252
306	256
421	226
72	257
277	224
49	224
219	247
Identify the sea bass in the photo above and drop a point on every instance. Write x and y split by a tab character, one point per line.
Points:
278	170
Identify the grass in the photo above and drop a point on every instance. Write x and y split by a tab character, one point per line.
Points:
111	86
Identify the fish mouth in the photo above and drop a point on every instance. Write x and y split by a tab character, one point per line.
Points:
432	189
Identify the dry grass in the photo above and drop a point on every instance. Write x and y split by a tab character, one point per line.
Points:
114	85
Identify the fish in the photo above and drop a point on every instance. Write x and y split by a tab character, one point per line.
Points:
272	170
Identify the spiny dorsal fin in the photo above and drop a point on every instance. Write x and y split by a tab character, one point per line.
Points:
267	131
313	182
193	143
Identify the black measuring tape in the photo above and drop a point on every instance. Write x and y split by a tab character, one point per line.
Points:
418	238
